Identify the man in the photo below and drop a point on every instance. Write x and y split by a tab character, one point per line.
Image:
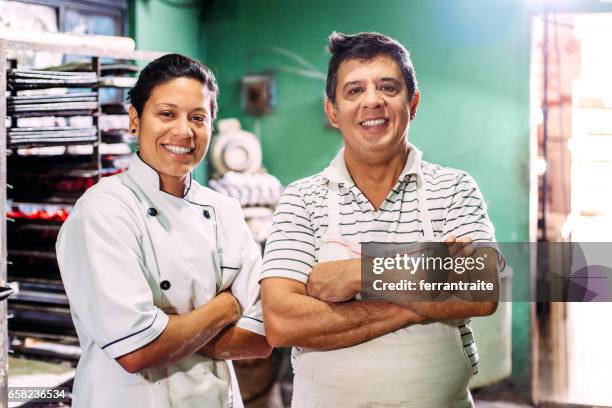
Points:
350	353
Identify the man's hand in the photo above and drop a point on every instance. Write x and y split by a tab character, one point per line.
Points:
461	247
288	313
335	281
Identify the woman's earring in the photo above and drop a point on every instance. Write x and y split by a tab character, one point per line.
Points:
133	131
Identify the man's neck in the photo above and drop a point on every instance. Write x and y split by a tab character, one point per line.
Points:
376	177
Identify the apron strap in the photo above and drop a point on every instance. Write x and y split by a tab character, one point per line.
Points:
333	235
424	216
333	211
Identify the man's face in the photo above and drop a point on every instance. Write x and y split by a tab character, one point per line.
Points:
372	109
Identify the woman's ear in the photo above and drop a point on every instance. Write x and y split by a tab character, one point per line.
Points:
134	121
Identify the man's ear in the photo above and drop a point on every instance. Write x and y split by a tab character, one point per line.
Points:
134	121
414	103
332	113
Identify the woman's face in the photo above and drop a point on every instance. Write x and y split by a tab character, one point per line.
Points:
174	128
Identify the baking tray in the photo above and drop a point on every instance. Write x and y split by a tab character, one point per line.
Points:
48	136
53	109
34	79
68	97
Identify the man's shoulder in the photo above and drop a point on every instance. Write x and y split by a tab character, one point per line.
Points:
437	174
307	188
316	180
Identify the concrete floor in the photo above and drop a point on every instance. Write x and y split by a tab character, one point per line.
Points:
26	372
499	404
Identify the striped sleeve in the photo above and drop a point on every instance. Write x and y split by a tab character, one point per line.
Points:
467	215
290	248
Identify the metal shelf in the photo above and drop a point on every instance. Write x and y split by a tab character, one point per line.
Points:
55	320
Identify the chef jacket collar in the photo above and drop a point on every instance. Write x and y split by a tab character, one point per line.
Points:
148	179
338	173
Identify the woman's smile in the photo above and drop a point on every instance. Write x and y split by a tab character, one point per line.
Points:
178	150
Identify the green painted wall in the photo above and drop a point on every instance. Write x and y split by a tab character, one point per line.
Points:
472	63
473	74
157	26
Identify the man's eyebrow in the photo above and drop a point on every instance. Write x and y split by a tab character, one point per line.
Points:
351	83
391	79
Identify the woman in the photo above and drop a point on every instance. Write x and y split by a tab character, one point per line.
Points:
161	273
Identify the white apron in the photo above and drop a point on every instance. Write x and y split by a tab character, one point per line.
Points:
420	366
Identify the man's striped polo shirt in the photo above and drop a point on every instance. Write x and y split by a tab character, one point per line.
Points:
454	201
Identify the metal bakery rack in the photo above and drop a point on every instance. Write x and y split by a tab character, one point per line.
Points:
37	191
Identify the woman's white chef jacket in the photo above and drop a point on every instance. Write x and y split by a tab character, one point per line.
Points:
129	255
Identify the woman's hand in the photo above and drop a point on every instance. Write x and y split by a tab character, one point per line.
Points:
230	305
234	343
185	334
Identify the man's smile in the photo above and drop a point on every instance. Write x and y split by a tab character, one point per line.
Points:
375	125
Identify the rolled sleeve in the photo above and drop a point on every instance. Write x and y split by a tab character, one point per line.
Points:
103	271
252	320
141	338
290	248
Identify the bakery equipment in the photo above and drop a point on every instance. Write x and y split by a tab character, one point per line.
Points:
237	161
234	149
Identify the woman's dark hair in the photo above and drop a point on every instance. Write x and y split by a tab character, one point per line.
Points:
167	68
366	46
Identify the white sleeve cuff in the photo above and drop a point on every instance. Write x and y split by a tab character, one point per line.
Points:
138	339
251	324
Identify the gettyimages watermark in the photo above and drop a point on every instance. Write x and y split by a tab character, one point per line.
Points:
485	271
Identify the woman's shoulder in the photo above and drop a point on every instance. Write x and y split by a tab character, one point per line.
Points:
105	210
109	195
